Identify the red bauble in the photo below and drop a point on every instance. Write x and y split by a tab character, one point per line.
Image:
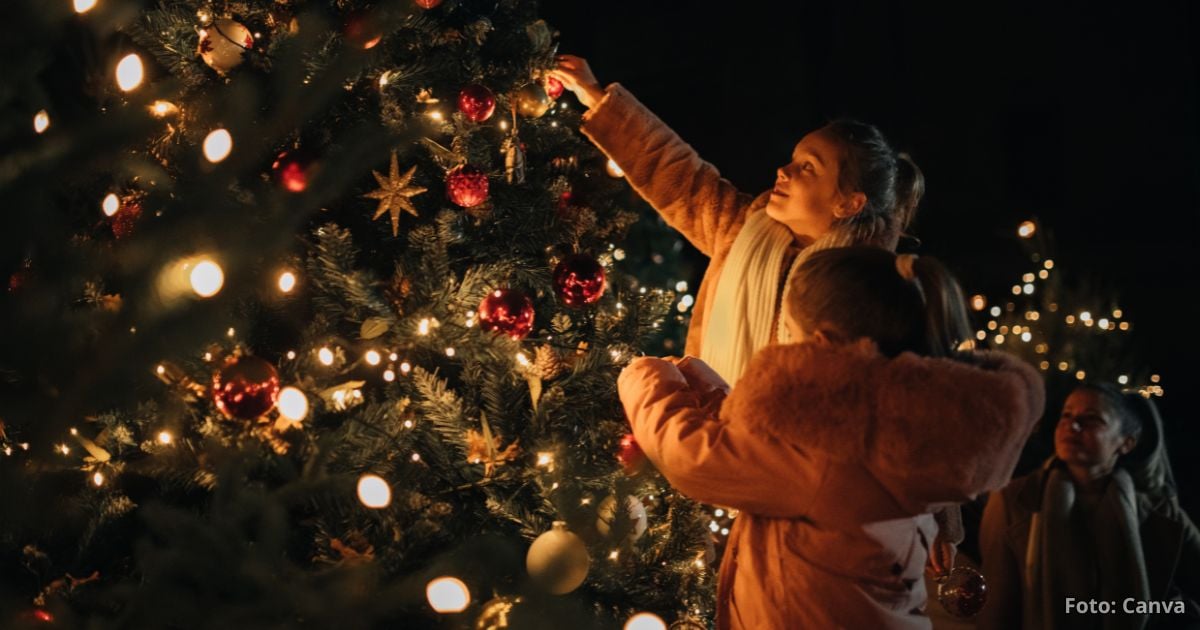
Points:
427	4
292	170
246	387
125	220
963	593
630	455
476	103
467	186
554	88
579	280
507	312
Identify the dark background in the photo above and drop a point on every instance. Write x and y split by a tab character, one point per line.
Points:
1085	116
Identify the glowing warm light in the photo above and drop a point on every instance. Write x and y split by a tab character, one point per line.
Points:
206	278
999	339
978	302
405	368
449	352
1070	319
162	109
1025	336
1124	325
374	492
1085	316
41	121
981	335
130	72
545	459
1124	380
164	438
681	286
645	621
1062	367
1103	323
1049	264
325	356
1027	229
522	359
218	145
98	478
111	204
1028	289
1045	365
1081	375
614	555
1027	277
389	375
416	457
83	6
448	595
1117	314
1154	378
1016	289
372	357
287	281
1043	274
292	404
995	311
613	170
436	115
423	327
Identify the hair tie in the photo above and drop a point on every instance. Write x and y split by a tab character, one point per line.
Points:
904	265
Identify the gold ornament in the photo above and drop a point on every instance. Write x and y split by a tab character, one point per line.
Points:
484	448
558	560
514	158
635	514
223	44
394	193
532	100
495	614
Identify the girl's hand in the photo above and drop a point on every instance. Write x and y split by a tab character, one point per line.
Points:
941	558
576	75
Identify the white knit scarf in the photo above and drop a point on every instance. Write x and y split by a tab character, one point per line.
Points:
745	308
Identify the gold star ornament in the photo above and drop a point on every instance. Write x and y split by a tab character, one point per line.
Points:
394	193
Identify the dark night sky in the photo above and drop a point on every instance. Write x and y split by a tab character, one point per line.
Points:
1087	117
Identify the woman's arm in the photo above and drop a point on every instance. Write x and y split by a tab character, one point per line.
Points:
1001	569
709	460
688	192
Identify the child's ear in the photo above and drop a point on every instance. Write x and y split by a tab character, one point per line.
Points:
820	338
851	205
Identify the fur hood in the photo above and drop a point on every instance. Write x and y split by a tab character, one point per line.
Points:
963	421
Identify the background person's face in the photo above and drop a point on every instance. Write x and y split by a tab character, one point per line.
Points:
1088	433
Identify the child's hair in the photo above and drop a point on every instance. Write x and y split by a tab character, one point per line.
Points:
903	303
1148	463
1120	404
891	181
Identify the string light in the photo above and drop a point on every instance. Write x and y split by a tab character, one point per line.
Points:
162	109
111	204
1045	365
1103	323
218	144
389	375
1027	277
1154	378
393	356
448	595
231	332
1028	289
449	352
545	459
41	121
292	404
981	335
978	302
130	72
423	327
1063	366
436	115
995	311
165	438
999	339
681	286
287	281
645	621
98	479
614	555
325	356
1124	326
206	278
1025	336
416	457
613	170
619	254
1043	274
1124	380
372	357
1117	314
374	492
83	6
1027	229
1081	375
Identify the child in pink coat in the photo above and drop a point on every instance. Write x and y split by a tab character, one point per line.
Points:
837	448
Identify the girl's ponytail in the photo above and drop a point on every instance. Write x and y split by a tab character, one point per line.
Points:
947	327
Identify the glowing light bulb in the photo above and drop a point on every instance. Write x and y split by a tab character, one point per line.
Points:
423	327
287	281
436	115
218	144
164	438
1027	229
98	479
545	459
448	595
1124	380
41	121
645	621
111	204
292	404
1025	336
449	352
405	368
374	492
83	6
206	278
372	357
325	356
978	302
613	170
130	72
389	375
162	109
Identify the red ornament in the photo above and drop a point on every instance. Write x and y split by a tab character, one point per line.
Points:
427	4
962	593
467	186
554	88
564	201
476	103
292	170
630	455
246	388
507	312
579	280
125	219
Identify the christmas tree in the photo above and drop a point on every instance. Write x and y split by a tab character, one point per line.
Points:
316	311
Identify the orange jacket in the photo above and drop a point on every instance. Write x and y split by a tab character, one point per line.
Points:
835	455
